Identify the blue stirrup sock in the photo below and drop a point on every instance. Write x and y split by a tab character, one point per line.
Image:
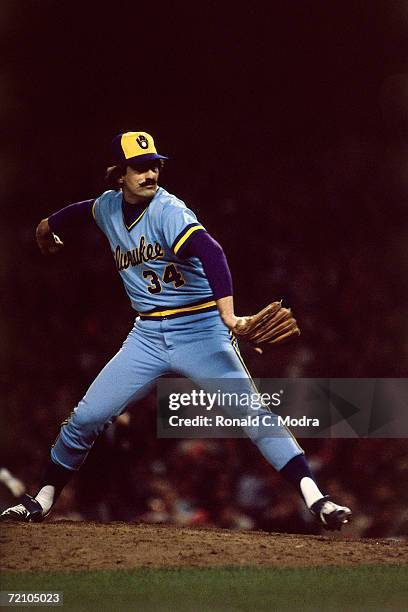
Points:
54	480
298	473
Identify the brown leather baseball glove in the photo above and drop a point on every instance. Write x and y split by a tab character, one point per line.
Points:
270	325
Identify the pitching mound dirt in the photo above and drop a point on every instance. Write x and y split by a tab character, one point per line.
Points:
86	546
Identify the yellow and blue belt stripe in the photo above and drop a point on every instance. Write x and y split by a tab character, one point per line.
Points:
181	311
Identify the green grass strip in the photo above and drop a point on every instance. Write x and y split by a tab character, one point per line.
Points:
228	589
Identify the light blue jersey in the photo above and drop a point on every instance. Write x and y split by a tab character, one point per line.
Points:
146	254
179	329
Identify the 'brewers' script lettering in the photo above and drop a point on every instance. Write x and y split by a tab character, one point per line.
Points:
141	254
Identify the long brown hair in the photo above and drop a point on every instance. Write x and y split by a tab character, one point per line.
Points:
112	176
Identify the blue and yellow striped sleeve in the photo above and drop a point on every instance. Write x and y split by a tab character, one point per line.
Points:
184	236
178	224
93	209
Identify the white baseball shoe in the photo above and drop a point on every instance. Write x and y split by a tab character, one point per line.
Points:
29	511
331	515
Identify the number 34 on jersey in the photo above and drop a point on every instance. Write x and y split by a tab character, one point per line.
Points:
170	275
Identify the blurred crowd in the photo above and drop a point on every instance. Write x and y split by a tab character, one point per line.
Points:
226	483
330	243
131	475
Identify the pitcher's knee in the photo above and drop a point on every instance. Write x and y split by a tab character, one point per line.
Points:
83	426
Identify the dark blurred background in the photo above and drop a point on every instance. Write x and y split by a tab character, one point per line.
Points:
287	128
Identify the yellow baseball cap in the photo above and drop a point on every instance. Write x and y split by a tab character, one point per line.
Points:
133	147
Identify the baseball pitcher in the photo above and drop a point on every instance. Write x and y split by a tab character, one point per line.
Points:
178	281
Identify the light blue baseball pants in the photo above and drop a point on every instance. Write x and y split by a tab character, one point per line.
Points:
196	346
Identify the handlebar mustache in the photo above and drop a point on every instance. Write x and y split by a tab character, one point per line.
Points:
147	183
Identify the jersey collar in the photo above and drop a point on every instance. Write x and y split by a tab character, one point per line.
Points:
132	213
